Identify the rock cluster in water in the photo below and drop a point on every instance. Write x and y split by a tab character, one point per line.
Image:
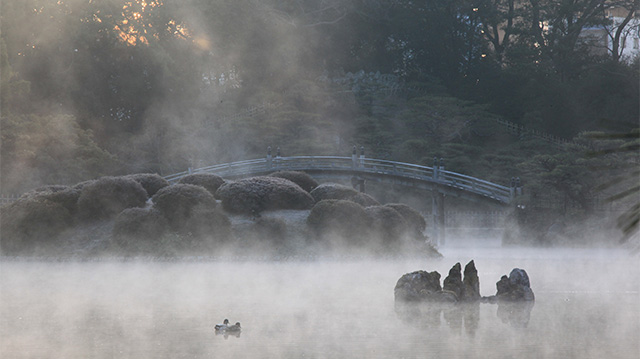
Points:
515	288
423	286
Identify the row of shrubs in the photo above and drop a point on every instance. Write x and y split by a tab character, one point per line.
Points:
149	216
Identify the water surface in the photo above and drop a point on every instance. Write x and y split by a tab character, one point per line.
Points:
587	306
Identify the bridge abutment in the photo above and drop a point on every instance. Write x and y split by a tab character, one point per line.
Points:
437	210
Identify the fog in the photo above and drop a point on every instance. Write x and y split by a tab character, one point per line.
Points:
118	87
586	307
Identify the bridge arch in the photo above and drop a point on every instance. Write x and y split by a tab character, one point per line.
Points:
360	170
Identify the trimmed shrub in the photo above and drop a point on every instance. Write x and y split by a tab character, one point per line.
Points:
207	228
139	230
151	182
338	191
105	197
192	212
62	195
302	179
209	181
388	225
339	222
179	202
32	225
264	235
332	191
415	220
257	194
80	185
364	200
51	188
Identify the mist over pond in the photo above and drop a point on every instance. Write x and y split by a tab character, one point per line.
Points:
586	307
102	102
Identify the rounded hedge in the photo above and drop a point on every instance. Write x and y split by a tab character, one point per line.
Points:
105	197
364	200
193	214
32	225
63	195
262	236
302	179
51	188
338	191
256	194
339	222
151	182
139	230
387	224
209	181
179	202
415	220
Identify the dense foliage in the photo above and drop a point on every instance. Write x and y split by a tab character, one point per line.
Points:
94	88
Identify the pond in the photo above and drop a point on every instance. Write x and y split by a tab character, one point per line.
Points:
587	306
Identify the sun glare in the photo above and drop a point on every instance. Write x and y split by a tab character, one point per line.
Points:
134	25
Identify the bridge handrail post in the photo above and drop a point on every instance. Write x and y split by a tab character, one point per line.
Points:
512	189
354	158
362	156
435	168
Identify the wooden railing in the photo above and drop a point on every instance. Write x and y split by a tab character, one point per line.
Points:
356	166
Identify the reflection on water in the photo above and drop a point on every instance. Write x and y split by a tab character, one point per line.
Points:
456	316
516	314
586	307
226	335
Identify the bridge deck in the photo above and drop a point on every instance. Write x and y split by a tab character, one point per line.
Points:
368	168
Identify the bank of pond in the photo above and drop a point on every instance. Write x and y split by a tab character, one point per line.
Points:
284	213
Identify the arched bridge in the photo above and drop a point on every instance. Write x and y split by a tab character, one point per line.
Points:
361	169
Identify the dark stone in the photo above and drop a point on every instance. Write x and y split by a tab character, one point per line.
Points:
515	288
453	282
471	283
417	286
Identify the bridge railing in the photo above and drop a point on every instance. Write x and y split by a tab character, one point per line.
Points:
355	165
448	178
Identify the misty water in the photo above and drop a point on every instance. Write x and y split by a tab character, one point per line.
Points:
587	306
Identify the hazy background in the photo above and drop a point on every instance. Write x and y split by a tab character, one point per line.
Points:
91	88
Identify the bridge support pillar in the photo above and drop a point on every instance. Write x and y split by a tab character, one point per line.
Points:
358	183
437	210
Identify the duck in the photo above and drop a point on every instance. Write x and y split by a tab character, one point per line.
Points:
223	326
234	328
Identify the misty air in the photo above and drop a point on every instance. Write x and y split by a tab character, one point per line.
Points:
319	179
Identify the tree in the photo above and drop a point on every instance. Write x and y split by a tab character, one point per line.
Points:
618	32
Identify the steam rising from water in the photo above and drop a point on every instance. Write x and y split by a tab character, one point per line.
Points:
586	307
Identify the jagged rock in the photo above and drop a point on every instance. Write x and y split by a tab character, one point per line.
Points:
424	286
418	286
515	288
453	282
471	283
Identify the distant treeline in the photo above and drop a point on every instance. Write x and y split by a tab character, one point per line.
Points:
115	87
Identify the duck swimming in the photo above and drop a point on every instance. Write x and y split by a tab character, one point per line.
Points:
234	328
223	326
